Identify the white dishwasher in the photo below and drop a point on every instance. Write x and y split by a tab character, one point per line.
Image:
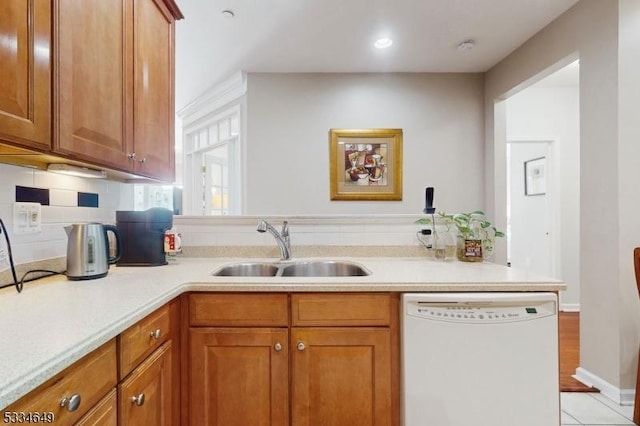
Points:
486	359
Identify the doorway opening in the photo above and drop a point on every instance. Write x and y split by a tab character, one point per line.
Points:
542	201
542	138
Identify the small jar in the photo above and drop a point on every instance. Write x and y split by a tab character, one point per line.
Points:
469	249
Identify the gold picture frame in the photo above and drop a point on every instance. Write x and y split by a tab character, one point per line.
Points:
365	164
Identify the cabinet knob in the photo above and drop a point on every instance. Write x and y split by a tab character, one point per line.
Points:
143	160
138	400
277	347
301	346
71	402
132	156
156	334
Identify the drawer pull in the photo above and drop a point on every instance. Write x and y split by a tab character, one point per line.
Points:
143	160
132	156
277	347
301	346
156	334
72	402
138	400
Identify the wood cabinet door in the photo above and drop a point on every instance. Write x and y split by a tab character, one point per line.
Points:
145	396
92	79
154	34
104	413
239	376
341	376
25	72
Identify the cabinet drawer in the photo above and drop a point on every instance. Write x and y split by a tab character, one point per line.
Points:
269	310
105	413
86	382
141	339
339	309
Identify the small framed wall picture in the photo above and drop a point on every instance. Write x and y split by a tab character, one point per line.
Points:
535	176
365	164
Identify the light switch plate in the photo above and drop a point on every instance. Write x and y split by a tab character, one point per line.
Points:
27	218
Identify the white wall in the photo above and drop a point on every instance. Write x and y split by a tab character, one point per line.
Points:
553	114
628	181
52	241
288	122
608	129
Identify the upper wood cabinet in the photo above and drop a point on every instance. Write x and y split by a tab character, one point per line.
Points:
153	86
114	83
25	73
93	81
102	93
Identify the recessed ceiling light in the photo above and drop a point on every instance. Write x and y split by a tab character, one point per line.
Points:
228	14
466	45
383	43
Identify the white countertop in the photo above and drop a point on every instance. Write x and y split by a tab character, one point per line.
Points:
55	322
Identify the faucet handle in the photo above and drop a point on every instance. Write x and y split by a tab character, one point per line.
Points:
285	229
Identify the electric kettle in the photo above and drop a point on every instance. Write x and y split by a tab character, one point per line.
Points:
88	250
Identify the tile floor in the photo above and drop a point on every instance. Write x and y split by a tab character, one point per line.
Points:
585	408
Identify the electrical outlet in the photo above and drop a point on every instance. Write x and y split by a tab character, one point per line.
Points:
27	218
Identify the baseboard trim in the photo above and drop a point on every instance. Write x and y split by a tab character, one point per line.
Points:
614	393
570	307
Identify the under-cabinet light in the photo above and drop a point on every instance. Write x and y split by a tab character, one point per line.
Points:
71	170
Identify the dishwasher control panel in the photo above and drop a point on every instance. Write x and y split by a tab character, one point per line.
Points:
470	312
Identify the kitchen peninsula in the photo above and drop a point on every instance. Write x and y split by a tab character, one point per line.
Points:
55	322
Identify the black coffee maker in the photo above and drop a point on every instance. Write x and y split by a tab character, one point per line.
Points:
142	236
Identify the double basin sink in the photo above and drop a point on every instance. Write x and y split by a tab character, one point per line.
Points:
315	268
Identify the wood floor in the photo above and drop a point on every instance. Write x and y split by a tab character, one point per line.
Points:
570	352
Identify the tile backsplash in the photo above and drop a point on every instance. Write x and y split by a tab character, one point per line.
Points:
372	234
52	241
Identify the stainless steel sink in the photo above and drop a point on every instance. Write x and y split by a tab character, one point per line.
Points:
323	268
248	269
315	268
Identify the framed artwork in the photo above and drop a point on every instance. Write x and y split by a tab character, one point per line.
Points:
365	164
535	176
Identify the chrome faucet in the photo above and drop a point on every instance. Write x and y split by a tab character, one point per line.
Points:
282	237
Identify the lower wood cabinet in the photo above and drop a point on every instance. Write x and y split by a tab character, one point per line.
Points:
104	413
335	362
341	376
145	397
149	355
239	376
72	393
275	359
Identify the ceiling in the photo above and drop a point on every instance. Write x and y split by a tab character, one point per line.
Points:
338	36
